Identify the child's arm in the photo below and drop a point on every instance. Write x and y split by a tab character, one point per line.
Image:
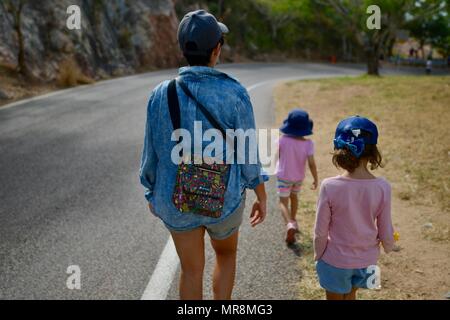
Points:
384	223
313	169
322	225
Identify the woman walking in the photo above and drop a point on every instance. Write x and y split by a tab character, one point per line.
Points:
192	199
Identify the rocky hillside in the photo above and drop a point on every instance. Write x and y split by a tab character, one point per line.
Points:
116	37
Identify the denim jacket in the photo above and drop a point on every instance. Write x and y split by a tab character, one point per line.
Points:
229	103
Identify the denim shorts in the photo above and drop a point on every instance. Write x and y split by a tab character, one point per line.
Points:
342	281
225	228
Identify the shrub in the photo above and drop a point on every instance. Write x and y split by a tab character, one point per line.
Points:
71	75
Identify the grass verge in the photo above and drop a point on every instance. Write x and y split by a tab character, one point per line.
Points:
413	116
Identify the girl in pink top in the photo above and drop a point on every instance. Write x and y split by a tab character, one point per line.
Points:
294	152
353	214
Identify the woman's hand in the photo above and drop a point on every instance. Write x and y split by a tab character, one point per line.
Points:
258	214
259	208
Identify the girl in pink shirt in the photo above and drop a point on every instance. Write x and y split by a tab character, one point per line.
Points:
353	214
294	152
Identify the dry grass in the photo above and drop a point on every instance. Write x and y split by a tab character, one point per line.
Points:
71	75
413	116
16	87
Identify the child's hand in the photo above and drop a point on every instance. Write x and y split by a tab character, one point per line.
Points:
258	212
314	185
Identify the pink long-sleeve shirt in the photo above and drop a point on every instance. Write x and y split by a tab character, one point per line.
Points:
353	217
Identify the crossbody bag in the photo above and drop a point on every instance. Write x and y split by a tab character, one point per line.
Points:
199	188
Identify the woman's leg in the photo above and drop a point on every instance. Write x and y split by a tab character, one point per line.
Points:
191	250
225	268
294	205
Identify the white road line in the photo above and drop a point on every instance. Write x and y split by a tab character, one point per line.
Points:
259	84
162	277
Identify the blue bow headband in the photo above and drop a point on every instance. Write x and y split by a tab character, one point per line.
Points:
352	143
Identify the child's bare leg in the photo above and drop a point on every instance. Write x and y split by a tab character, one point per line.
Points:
294	206
337	296
334	296
284	207
351	295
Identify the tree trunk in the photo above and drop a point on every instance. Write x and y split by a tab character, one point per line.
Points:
220	9
422	49
17	13
21	54
344	48
373	60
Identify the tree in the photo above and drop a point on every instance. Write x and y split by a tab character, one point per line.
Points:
434	30
394	16
15	8
354	17
278	14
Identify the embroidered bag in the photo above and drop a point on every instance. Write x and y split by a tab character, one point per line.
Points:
199	188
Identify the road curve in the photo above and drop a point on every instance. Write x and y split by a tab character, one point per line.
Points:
70	193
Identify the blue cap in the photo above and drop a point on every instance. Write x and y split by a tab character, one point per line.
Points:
199	31
297	124
354	133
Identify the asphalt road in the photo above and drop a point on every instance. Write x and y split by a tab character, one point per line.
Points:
70	194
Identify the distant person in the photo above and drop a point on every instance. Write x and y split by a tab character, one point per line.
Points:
429	66
353	213
294	152
411	55
192	198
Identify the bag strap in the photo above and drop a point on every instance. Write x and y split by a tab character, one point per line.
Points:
175	114
174	105
202	108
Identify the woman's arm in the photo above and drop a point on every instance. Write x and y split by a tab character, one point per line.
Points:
149	160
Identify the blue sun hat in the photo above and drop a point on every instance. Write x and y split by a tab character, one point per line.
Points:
297	124
354	133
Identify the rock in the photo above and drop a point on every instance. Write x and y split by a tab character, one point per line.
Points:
447	296
4	95
428	225
116	36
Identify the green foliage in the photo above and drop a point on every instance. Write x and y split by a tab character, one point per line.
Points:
319	28
432	26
